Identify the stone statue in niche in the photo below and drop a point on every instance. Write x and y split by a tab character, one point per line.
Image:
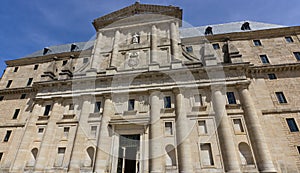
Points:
135	38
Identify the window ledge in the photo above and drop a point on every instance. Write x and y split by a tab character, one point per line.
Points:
167	110
233	106
94	115
132	112
68	116
41	118
199	108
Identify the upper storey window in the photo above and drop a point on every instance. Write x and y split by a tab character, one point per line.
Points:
74	47
297	55
289	39
264	59
16	69
231	98
246	26
280	97
36	67
208	31
46	51
216	46
189	49
8	83
47	110
167	102
257	43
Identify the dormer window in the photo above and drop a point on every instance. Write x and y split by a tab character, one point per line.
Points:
208	31
46	50
74	47
246	26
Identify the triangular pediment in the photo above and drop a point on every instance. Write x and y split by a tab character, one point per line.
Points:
137	9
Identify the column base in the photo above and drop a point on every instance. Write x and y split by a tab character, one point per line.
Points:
269	171
234	171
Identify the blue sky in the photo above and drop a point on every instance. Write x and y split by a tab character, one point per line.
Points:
31	25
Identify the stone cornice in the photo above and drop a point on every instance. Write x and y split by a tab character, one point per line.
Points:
274	68
280	111
17	90
43	59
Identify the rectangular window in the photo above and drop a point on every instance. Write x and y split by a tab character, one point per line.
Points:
216	46
206	155
280	97
272	76
93	131
61	150
8	83
64	62
16	114
1	98
97	107
298	148
40	130
292	124
264	59
47	110
16	69
189	49
29	81
231	98
85	60
66	131
168	128
202	127
60	156
71	107
131	104
257	43
1	155
23	96
167	102
289	39
297	55
7	136
238	126
36	67
198	100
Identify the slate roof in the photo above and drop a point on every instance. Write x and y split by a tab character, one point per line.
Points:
184	33
226	28
80	46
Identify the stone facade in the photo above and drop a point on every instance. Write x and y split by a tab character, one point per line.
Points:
142	97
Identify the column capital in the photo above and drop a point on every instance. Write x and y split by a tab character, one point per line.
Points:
243	85
153	91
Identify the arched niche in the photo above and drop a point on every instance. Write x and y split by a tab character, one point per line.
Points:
245	154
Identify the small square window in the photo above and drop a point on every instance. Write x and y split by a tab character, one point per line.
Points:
1	98
280	97
61	150
23	96
7	136
64	62
17	111
289	39
189	49
36	67
66	129
272	76
216	46
257	43
167	102
231	98
97	107
297	55
292	124
85	60
16	69
264	59
40	130
29	82
131	104
8	83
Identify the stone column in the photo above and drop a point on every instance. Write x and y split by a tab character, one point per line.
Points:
225	134
115	51
174	41
183	131
156	134
96	51
153	44
103	155
256	134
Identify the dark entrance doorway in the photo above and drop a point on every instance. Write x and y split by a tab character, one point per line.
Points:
128	149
